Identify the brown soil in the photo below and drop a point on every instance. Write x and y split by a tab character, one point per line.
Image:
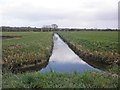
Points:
9	37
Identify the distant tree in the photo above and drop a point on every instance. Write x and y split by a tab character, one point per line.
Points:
49	27
54	26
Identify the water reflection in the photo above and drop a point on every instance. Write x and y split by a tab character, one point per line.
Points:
63	59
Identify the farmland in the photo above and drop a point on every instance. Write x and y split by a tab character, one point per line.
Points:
25	49
94	45
95	41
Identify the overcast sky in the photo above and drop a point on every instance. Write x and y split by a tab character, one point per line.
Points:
64	13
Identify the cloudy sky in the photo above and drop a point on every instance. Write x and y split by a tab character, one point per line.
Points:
65	13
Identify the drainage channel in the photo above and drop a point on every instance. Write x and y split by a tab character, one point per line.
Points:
63	59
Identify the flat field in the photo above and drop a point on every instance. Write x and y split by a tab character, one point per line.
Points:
25	48
93	40
99	43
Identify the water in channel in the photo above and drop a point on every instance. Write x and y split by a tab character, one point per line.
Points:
63	59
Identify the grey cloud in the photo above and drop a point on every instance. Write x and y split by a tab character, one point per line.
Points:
91	14
107	15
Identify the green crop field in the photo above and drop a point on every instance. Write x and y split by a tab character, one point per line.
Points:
26	48
95	43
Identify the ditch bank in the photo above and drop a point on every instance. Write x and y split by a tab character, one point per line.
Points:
95	59
29	65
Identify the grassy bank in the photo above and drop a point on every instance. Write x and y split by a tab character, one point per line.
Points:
60	80
26	48
94	45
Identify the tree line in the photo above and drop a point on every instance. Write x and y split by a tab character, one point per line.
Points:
46	28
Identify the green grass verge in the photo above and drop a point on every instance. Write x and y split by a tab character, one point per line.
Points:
60	80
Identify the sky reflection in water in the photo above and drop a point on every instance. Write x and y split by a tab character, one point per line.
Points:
63	59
